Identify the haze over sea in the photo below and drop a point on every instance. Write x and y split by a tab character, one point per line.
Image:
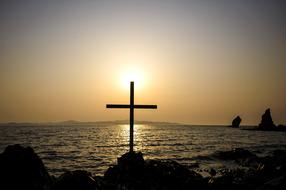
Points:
95	147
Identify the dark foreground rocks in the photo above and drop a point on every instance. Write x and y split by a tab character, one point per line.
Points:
21	168
73	180
254	172
241	156
132	172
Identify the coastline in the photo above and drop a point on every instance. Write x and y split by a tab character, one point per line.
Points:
21	167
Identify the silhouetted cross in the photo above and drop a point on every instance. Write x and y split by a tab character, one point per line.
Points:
131	106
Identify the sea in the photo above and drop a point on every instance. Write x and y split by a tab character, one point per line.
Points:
96	147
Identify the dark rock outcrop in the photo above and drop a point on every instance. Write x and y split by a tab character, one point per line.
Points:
21	168
266	121
270	173
237	154
281	127
236	122
74	180
132	172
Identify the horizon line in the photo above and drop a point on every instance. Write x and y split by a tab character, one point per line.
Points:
114	121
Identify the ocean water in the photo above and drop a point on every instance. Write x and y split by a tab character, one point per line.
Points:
95	147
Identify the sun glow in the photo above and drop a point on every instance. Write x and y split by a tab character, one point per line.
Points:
133	74
130	63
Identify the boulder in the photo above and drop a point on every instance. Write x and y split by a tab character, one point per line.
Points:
236	122
127	173
236	154
21	168
269	174
266	121
74	180
132	172
131	160
276	183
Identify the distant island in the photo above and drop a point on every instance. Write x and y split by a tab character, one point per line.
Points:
86	123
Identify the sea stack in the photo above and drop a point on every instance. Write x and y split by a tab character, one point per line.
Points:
266	121
236	122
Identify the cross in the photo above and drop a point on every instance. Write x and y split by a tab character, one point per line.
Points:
131	106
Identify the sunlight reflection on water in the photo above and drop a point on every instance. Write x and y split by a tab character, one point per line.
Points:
94	148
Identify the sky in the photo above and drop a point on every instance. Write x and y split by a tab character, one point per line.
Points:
200	61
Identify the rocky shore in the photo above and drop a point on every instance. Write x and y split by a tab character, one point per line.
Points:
21	168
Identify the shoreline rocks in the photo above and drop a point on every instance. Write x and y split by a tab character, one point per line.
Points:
132	172
73	180
21	168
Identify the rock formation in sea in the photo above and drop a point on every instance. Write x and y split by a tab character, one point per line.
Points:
266	121
236	122
281	127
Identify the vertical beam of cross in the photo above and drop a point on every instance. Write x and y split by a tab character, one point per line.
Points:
131	116
131	106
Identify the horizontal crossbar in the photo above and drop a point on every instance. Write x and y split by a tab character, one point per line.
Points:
117	106
145	106
128	106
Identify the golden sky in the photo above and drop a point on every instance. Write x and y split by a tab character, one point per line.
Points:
201	62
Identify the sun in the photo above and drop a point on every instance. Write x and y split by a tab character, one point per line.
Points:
130	66
136	75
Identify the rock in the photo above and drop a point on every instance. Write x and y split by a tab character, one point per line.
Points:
128	165
132	172
270	174
21	168
225	181
276	183
212	172
126	173
172	175
236	122
276	161
266	121
281	127
236	154
131	160
74	180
